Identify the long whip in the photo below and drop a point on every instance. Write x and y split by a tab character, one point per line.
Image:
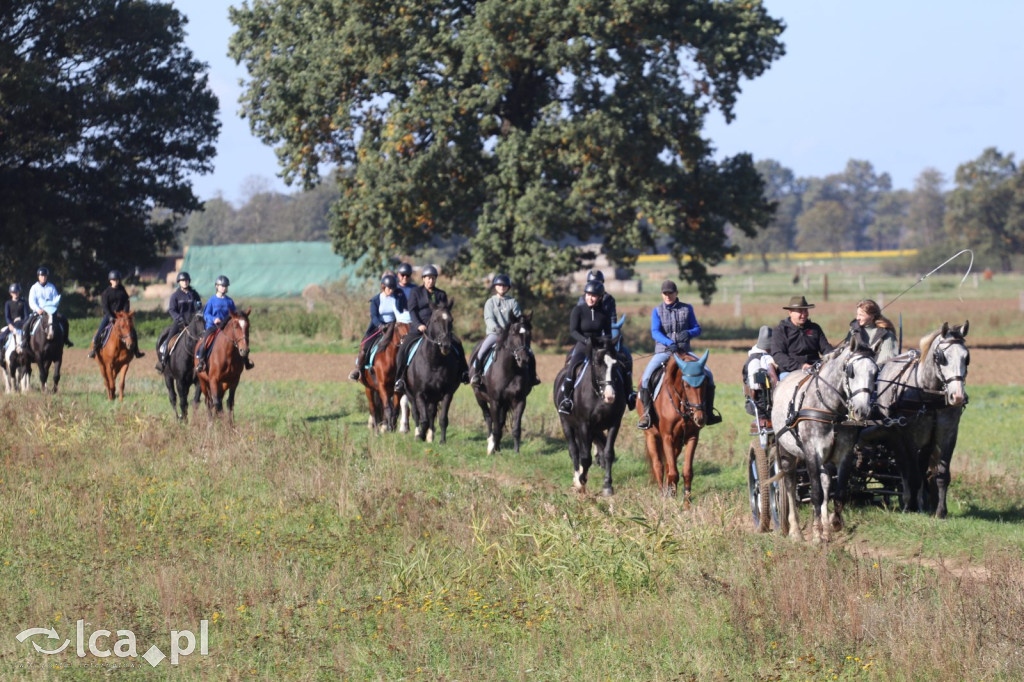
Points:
932	272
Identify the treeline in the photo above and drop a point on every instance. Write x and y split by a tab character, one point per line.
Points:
857	209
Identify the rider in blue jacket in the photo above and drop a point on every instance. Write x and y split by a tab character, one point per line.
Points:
216	313
387	306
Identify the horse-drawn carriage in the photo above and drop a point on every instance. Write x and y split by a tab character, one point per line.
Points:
903	452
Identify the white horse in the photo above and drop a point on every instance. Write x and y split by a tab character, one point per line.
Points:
808	412
17	363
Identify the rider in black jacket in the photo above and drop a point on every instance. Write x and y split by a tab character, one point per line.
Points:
114	300
184	304
585	323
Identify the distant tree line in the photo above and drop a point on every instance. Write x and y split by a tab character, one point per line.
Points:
858	209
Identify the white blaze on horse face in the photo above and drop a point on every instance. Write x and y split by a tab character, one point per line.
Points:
609	392
862	385
956	366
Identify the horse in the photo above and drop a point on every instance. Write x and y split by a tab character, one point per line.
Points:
433	374
179	368
379	379
17	363
598	404
117	353
808	411
46	347
224	365
507	382
921	396
677	421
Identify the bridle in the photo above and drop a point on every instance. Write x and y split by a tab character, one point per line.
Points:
683	407
941	361
521	350
444	343
796	414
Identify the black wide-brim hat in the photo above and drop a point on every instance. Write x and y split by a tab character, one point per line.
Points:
798	303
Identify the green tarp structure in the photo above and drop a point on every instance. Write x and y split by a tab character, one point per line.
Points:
271	270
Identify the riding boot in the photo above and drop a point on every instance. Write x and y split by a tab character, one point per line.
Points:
710	415
92	348
647	402
249	364
565	405
400	370
476	372
160	362
631	396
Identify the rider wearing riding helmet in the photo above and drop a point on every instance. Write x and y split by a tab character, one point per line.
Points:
586	322
673	324
387	306
185	302
419	309
404	274
216	314
608	305
115	299
15	313
498	313
44	297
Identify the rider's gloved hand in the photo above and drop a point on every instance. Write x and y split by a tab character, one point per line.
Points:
674	348
683	337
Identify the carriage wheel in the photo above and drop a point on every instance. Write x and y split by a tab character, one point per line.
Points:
760	495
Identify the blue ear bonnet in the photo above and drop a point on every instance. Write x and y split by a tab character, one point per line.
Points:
693	372
617	328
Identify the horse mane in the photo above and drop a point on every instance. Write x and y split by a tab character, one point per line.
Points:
928	340
386	334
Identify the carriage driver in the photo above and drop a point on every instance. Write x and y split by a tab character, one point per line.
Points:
216	313
114	300
673	324
586	322
420	311
44	297
387	306
15	313
184	304
798	343
498	312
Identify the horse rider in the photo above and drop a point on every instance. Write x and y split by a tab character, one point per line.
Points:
389	305
115	299
498	313
44	297
759	360
880	330
216	314
608	305
420	312
15	313
185	302
673	324
586	322
404	274
798	343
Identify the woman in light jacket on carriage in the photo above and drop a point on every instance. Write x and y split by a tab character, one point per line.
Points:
881	332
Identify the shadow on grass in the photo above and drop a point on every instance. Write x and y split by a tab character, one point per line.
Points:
336	416
1013	514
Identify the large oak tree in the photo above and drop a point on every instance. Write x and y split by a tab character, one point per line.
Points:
512	131
103	114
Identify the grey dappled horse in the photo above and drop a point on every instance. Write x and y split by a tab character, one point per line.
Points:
923	393
808	410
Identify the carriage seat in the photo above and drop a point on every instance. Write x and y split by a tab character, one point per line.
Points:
759	401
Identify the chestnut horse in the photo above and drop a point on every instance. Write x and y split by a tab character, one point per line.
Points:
676	423
379	379
224	365
117	353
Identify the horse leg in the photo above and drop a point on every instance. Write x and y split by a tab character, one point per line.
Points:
670	474
231	405
122	375
496	421
56	373
44	374
442	416
404	408
608	457
371	403
792	517
817	473
584	446
688	454
421	417
517	423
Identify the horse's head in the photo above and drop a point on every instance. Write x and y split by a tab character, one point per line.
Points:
237	330
122	326
518	336
860	373
693	386
439	328
603	359
46	322
946	357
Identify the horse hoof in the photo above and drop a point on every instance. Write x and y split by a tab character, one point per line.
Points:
608	492
430	435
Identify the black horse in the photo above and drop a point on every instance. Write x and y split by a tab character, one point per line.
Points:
433	374
179	369
503	389
600	401
46	346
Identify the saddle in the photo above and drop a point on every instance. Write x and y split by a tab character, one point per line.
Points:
104	335
209	340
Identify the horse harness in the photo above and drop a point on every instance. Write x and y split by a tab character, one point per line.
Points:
799	413
932	400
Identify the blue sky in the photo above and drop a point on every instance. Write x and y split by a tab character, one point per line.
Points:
905	85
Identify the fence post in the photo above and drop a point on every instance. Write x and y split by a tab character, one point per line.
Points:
737	310
880	300
824	286
862	282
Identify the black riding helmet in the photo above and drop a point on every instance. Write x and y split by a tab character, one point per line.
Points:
183	277
595	275
428	271
594	287
14	288
114	275
404	269
223	280
43	271
389	281
502	280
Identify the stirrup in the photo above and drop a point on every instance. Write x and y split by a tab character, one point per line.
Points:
201	366
92	354
631	400
159	367
399	385
475	380
565	407
645	422
354	375
713	417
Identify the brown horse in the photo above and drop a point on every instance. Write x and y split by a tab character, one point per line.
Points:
379	379
224	364
117	353
677	420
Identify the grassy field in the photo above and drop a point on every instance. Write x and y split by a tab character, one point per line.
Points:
315	550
